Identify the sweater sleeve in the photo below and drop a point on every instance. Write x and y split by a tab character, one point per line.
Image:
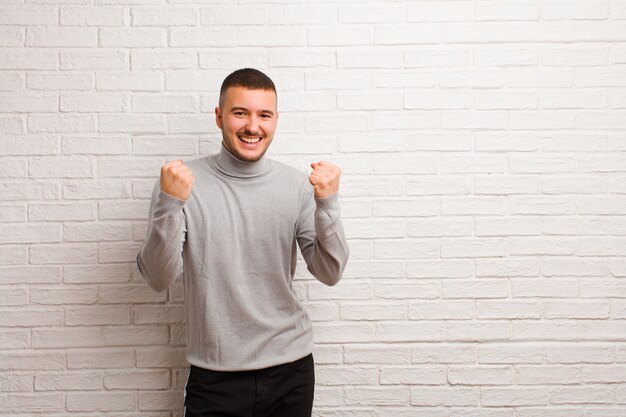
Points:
160	259
321	237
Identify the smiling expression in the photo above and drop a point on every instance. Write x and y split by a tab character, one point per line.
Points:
247	119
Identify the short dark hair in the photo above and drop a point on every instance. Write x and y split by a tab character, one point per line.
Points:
249	78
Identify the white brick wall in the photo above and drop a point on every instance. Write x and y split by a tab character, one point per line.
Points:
483	149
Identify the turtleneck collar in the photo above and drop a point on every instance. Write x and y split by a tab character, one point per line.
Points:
232	166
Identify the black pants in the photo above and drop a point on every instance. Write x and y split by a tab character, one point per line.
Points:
283	390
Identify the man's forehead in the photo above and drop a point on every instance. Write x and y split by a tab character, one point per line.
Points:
234	96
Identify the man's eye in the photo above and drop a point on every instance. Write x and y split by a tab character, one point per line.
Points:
239	113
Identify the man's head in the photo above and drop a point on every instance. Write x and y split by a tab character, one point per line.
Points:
247	113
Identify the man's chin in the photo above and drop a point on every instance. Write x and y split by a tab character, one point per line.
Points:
245	155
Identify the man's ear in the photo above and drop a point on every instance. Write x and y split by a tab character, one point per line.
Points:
218	117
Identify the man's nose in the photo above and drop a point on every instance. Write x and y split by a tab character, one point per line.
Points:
253	124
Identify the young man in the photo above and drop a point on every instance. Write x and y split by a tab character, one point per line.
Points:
228	224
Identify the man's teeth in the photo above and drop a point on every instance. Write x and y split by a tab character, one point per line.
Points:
250	140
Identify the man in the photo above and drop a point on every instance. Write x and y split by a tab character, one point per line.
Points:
228	224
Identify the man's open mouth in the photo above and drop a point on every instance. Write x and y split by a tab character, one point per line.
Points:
250	139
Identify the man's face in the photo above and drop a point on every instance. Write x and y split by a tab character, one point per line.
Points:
247	120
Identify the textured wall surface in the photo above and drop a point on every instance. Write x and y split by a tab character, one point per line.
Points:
483	149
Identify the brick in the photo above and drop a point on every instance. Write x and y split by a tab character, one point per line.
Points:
498	267
95	274
438	56
541	246
135	335
109	401
371	311
444	396
133	37
542	31
438	185
135	294
86	145
31	275
60	167
408	34
137	379
61	212
94	59
31	58
346	376
435	12
29	15
575	56
123	210
479	205
575	10
93	103
457	119
481	375
406	249
29	233
129	81
68	337
100	359
132	123
14	169
59	81
29	104
12	36
513	396
444	353
205	37
299	14
13	255
164	104
435	310
489	309
332	35
11	191
14	296
573	143
155	16
12	125
413	332
61	37
96	315
371	14
33	317
60	123
36	403
16	382
475	288
476	32
64	295
243	15
68	381
11	81
158	145
91	16
369	58
440	268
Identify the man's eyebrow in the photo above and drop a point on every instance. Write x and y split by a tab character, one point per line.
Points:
244	109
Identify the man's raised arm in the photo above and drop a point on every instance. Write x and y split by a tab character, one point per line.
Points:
160	258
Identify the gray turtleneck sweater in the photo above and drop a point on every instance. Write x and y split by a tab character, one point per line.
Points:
234	244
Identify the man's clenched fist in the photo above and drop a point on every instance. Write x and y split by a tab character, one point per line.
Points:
324	178
177	180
